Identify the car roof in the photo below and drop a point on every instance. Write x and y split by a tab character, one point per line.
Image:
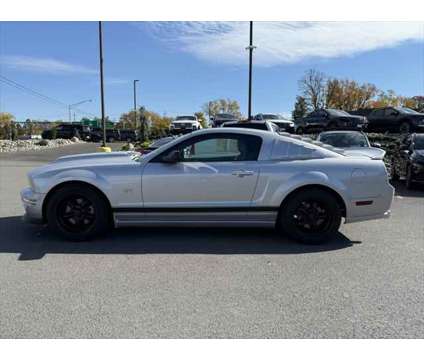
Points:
341	132
246	122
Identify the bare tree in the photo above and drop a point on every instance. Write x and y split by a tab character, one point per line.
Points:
312	86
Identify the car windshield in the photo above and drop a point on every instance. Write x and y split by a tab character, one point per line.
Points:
419	142
406	110
161	142
344	140
272	117
225	116
338	112
191	118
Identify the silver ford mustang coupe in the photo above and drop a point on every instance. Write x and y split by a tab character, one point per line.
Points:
213	177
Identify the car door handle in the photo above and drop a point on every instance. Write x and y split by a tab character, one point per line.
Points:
242	173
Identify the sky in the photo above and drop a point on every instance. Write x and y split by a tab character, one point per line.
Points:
182	65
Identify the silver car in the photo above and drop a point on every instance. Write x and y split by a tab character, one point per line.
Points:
213	177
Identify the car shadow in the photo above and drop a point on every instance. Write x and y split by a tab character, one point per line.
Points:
32	242
401	190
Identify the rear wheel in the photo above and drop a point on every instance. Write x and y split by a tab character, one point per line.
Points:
311	216
77	213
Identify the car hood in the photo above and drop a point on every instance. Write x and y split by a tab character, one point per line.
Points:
85	161
184	122
371	152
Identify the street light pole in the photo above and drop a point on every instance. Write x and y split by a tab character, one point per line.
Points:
250	48
135	102
101	84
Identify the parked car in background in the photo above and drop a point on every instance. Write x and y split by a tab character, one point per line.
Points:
157	144
253	124
283	123
184	124
111	135
68	131
330	119
129	135
219	119
395	119
252	178
355	143
408	160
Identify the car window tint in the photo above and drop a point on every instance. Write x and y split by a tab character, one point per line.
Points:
223	149
218	147
286	150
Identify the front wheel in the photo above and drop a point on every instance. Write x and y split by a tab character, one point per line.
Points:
311	216
77	213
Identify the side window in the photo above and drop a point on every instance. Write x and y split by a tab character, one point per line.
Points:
286	150
220	147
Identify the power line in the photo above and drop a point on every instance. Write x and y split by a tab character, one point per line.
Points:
38	94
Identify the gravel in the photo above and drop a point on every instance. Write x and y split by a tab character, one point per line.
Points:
34	144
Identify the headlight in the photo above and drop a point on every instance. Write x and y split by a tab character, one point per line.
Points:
291	124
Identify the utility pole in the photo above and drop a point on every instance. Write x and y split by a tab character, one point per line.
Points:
101	84
250	48
135	102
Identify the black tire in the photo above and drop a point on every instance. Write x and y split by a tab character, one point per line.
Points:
409	183
405	128
75	204
320	227
393	173
300	131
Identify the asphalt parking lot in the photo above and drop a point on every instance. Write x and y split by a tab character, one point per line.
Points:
197	283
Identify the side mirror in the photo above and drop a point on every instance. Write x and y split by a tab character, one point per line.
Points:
172	157
376	144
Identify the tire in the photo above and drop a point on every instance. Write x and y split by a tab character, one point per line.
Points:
393	173
405	128
300	131
75	204
408	181
325	216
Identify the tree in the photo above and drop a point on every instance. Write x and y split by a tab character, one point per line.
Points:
6	120
312	87
300	108
221	106
348	94
202	119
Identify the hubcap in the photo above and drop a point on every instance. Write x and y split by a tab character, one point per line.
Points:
311	216
76	213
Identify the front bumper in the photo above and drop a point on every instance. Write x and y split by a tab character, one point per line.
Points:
32	203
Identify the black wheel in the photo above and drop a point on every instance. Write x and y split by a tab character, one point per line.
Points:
300	131
311	216
77	213
405	128
393	173
409	181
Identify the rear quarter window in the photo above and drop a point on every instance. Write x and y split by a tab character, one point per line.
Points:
287	150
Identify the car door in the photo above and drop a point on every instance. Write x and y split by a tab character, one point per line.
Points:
376	119
216	173
391	118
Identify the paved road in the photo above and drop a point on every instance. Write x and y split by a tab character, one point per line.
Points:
209	283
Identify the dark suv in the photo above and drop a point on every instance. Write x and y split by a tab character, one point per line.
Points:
222	118
129	135
396	119
68	131
111	135
330	119
408	160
